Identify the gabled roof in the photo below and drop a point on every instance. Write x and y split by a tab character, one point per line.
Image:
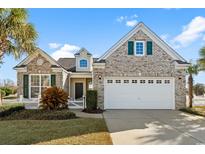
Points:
54	63
81	50
141	26
67	63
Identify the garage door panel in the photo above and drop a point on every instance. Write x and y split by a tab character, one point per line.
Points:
139	96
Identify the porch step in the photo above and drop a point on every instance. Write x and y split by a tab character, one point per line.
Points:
31	106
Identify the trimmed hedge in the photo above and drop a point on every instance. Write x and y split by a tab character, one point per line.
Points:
91	100
6	110
41	115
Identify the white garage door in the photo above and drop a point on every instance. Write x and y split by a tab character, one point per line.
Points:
139	93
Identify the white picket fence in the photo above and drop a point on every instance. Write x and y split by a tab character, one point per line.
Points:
34	103
77	104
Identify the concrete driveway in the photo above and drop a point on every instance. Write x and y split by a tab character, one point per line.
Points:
154	127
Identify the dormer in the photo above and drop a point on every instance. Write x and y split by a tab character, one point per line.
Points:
84	61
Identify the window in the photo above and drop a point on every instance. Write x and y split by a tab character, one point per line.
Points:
126	81
166	81
109	81
38	84
117	81
139	49
134	81
142	81
83	63
159	81
150	81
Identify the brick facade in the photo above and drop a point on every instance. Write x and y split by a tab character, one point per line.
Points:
34	68
159	64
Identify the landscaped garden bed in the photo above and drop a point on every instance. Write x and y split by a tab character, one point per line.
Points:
8	109
40	115
18	112
93	111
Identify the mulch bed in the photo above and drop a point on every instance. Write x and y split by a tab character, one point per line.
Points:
93	111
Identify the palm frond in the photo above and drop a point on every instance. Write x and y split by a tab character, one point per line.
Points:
17	35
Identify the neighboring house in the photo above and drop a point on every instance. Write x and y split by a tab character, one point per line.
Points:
140	71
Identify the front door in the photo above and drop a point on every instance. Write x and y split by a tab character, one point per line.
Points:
78	90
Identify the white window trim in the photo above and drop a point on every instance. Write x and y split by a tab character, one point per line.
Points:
83	67
143	48
39	83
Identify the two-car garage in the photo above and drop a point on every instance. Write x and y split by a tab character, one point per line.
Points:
139	93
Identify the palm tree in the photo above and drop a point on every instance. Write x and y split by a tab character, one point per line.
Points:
17	36
193	69
201	60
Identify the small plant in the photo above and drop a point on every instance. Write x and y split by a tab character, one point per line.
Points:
7	90
91	100
6	110
54	98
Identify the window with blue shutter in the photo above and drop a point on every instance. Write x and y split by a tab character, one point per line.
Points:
130	47
149	47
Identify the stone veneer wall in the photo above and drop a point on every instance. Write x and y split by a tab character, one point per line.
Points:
33	68
160	64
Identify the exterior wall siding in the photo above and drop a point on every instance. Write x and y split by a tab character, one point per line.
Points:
159	64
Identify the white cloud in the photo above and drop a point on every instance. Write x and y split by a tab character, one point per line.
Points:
67	50
54	45
121	18
131	23
191	32
134	16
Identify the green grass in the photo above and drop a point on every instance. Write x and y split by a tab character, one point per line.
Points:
73	131
197	110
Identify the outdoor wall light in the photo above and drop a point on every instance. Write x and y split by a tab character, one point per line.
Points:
99	77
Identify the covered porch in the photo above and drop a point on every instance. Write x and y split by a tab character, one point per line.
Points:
79	83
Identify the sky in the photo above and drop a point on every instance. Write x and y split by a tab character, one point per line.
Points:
62	32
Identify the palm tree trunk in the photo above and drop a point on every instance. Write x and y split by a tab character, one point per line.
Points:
190	90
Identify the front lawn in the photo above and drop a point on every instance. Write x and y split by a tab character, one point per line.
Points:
197	110
73	131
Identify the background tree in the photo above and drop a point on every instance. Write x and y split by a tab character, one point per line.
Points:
193	69
201	60
17	35
199	89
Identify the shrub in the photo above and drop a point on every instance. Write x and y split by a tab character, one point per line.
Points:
91	100
41	115
7	90
9	109
54	98
2	93
199	89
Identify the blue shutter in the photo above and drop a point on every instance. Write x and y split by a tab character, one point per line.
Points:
149	47
53	80
25	86
130	47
